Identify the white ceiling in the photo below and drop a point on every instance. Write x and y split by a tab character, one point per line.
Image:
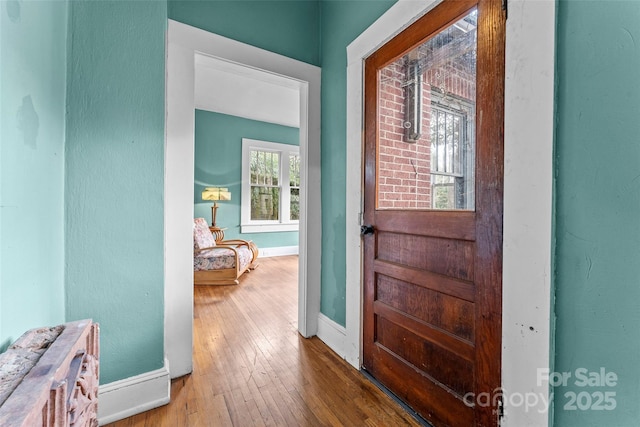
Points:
228	88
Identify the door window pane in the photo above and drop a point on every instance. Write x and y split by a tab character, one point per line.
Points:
426	123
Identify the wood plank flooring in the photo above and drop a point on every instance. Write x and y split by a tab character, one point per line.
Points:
252	368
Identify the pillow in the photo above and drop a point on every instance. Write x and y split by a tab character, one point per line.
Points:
202	237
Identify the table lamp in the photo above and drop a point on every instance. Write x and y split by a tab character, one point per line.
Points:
215	194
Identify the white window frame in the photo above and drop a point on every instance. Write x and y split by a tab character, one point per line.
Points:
265	226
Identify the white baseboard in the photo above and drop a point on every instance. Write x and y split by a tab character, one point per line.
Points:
332	334
131	396
278	251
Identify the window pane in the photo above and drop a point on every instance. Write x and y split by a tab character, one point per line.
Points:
295	204
294	171
265	168
265	202
443	192
274	170
426	123
253	167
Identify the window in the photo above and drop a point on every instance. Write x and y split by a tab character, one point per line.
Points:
270	186
452	156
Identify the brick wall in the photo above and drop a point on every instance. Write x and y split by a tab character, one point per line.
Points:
404	179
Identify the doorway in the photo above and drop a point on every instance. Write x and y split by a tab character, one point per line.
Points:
183	43
433	208
236	104
528	194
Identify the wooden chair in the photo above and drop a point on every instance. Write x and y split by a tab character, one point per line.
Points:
220	263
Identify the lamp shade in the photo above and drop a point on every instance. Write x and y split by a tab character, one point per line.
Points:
216	193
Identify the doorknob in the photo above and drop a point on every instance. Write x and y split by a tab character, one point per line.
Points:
366	229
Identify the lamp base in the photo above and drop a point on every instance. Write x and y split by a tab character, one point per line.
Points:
214	211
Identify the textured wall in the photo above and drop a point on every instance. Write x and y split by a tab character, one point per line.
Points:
218	162
32	82
598	206
114	180
290	28
342	22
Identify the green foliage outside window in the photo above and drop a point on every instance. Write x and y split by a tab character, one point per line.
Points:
266	188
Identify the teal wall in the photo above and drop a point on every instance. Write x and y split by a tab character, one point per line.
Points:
218	154
100	250
342	22
105	242
289	27
598	205
114	180
33	38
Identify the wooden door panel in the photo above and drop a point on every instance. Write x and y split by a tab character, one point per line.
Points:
433	336
445	366
430	400
448	257
439	310
432	269
461	226
458	288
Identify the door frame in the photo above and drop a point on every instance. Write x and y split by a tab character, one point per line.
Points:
183	43
527	328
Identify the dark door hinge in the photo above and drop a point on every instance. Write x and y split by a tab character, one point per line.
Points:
505	7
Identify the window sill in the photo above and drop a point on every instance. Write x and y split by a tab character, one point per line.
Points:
268	228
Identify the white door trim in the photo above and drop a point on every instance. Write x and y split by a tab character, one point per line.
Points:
183	42
527	330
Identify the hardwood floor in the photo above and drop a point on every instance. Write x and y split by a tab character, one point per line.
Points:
252	368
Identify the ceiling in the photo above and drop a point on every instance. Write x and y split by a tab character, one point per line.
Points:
229	88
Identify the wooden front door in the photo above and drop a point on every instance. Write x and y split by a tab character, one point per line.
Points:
434	107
